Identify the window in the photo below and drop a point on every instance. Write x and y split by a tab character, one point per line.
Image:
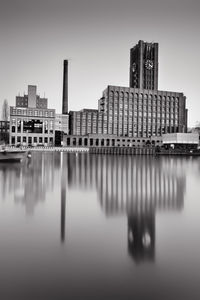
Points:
32	126
13	140
45	127
18	125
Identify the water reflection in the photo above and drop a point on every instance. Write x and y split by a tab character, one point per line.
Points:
29	181
141	235
137	186
63	198
125	183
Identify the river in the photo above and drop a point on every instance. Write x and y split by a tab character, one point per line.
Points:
83	226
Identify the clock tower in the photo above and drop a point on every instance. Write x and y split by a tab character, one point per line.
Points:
144	66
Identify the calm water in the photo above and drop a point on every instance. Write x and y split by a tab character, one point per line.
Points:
100	227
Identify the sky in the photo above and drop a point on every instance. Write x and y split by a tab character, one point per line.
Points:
96	37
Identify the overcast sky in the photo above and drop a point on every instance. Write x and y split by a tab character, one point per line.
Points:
96	36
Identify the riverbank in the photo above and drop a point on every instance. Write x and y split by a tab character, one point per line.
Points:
53	149
113	150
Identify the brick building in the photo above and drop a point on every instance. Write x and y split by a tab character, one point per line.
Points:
138	111
31	122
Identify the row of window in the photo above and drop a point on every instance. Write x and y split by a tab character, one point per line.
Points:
35	113
103	142
135	104
142	96
121	113
31	140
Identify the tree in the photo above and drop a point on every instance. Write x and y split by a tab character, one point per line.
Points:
197	124
5	110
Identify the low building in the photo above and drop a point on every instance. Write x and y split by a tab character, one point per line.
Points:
102	140
62	123
61	128
31	122
181	140
85	121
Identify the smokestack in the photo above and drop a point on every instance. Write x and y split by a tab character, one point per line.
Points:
65	88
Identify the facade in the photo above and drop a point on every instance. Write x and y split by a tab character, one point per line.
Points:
181	139
31	122
105	140
85	121
134	112
61	128
144	66
4	131
31	100
62	123
138	111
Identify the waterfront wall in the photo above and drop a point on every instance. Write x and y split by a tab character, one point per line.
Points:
122	150
96	150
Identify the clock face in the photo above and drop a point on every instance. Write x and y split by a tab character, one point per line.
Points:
149	64
134	67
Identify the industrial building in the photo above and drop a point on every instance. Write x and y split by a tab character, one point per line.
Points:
31	122
135	112
139	111
181	140
85	121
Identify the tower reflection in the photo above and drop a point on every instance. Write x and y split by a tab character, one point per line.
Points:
137	186
141	236
64	173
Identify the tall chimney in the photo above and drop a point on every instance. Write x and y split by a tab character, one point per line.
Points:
65	88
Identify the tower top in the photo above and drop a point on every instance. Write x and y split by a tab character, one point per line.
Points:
144	66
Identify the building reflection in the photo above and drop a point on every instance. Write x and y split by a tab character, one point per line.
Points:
137	186
29	181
